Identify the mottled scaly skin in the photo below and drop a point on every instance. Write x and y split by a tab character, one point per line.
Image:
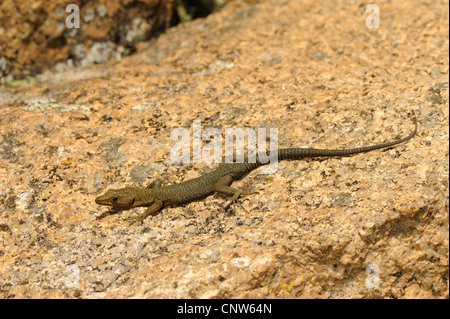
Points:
156	196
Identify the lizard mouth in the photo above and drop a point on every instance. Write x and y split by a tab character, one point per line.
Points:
101	201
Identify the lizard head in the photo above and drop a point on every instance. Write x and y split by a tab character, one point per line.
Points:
117	198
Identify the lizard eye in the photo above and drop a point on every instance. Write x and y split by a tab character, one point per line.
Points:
115	199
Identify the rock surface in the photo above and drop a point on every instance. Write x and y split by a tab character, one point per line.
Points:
37	35
373	225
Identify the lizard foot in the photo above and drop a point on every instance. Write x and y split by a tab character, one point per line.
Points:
234	202
134	219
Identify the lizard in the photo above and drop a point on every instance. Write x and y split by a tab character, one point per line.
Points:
156	196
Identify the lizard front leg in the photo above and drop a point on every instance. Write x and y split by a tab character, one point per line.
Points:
152	210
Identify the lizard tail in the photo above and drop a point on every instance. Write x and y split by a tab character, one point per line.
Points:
299	153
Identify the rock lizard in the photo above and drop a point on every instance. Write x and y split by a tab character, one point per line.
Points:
155	196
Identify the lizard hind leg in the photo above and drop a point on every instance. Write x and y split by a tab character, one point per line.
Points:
222	186
233	192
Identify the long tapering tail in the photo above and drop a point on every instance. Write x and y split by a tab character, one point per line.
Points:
299	153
